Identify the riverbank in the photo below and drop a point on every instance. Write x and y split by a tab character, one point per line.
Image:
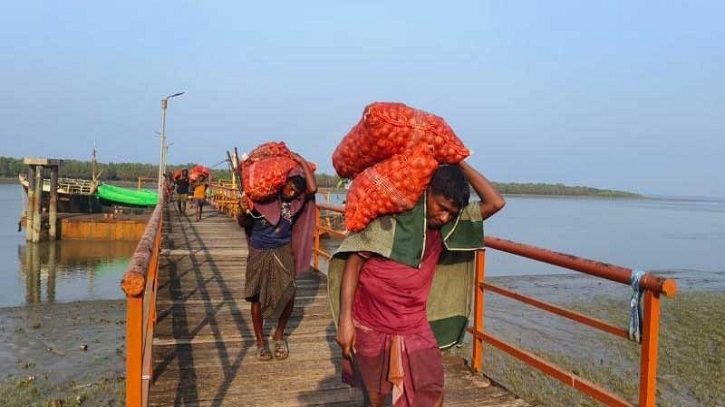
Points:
63	354
73	354
691	363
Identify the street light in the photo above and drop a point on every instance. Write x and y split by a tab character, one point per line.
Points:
162	155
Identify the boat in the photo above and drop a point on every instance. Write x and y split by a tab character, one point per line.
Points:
74	195
111	195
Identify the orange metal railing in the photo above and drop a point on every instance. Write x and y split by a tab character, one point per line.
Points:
140	284
143	180
224	197
325	227
652	285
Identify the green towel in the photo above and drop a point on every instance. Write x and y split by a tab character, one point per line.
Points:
401	237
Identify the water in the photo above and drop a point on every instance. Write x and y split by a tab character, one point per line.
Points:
679	237
673	236
61	271
662	235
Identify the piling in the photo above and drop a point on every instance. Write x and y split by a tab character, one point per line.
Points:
53	204
36	209
35	198
31	205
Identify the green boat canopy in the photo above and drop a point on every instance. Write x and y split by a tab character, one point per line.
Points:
125	196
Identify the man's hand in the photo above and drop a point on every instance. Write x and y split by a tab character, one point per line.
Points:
244	206
346	336
298	158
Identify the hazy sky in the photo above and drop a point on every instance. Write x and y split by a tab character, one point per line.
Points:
613	94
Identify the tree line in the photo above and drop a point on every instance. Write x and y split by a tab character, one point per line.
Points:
11	167
130	172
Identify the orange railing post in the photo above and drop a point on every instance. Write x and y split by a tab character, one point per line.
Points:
478	304
134	346
648	358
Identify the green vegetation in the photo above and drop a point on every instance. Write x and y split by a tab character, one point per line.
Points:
130	172
510	188
127	172
41	392
691	363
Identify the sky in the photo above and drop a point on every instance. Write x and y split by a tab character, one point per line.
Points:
616	94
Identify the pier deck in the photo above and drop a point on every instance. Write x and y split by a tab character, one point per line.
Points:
204	349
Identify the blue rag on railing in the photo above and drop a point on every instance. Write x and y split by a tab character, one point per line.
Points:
635	307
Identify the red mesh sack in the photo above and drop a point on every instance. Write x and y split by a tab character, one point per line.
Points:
266	150
199	170
391	128
262	179
391	186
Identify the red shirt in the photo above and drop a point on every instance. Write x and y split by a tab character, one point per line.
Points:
391	297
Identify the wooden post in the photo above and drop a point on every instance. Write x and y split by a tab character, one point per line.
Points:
53	205
31	204
32	275
648	357
52	267
37	217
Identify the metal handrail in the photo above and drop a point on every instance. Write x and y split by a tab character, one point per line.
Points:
321	229
652	285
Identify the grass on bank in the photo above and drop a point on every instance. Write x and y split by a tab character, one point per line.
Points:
691	364
41	392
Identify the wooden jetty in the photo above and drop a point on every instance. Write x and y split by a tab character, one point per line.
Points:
204	347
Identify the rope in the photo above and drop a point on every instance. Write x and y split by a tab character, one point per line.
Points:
635	307
226	160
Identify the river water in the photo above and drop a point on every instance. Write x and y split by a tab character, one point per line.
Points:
682	237
60	271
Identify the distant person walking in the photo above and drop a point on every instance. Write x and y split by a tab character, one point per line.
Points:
182	191
169	186
200	188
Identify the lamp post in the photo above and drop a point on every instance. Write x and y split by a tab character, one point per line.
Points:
162	155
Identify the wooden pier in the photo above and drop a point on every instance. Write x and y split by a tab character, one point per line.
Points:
204	348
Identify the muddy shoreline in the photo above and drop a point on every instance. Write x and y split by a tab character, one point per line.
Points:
61	354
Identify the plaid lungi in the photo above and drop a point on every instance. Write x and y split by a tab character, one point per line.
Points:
270	279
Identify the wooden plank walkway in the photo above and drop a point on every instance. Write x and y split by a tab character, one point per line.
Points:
204	349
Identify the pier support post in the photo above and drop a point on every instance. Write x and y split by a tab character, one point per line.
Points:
31	205
34	223
52	268
32	275
37	217
53	203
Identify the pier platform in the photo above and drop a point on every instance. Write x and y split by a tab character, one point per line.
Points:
101	226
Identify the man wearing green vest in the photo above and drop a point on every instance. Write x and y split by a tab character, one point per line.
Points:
384	275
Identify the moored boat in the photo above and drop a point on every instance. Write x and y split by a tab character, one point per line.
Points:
74	195
113	195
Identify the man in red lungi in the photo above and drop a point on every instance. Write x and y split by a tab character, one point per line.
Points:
384	287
